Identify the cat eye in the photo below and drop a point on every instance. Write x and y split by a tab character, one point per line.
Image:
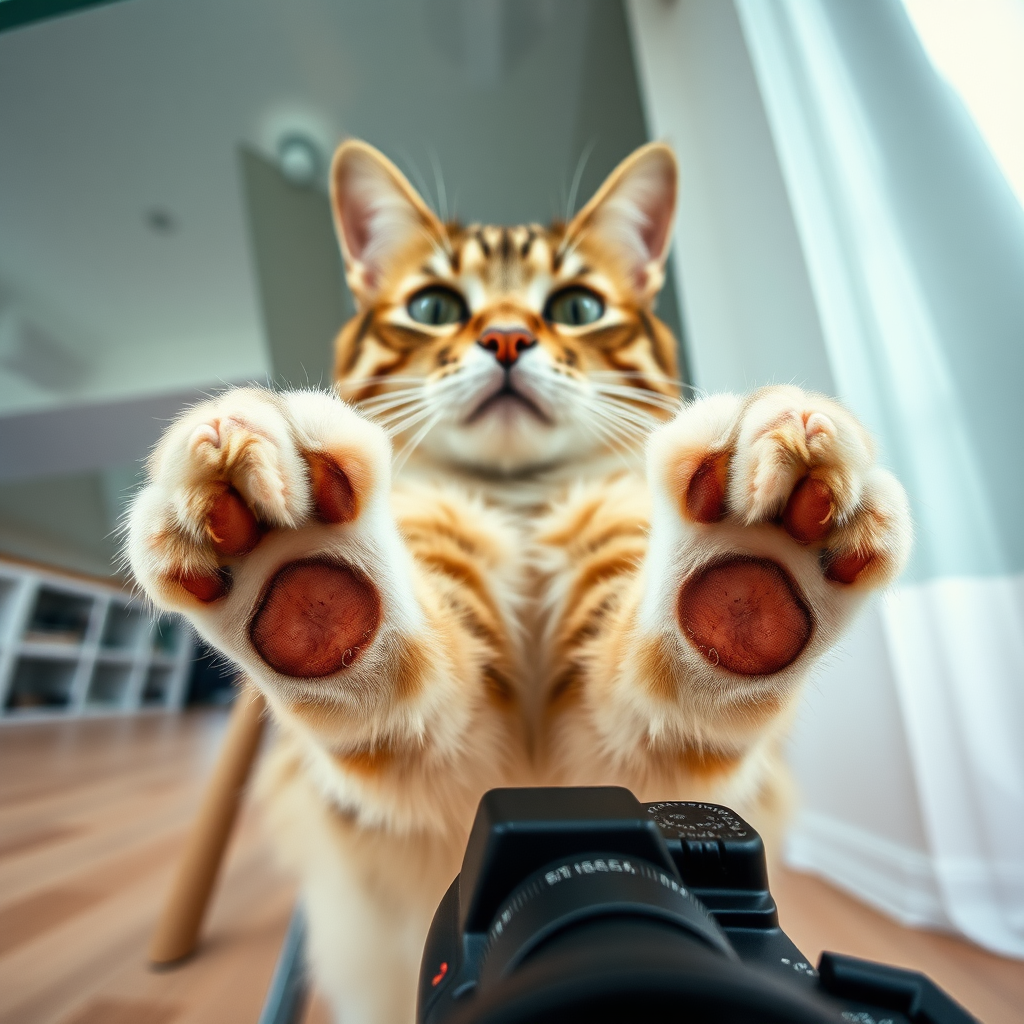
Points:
437	306
575	307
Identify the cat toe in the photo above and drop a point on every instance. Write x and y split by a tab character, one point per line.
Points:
231	525
333	495
810	511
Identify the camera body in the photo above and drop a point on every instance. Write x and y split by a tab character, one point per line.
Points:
584	904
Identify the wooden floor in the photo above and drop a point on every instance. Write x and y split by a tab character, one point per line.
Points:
92	815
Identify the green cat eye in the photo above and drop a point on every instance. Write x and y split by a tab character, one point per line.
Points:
574	306
437	306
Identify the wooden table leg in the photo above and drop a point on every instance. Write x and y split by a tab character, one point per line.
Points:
178	930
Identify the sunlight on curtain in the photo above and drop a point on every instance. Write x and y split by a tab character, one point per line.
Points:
978	46
915	250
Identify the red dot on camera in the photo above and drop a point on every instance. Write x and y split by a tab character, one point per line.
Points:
442	971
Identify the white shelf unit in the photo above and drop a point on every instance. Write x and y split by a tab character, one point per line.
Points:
73	647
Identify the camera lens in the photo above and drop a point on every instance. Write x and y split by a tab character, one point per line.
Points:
603	937
581	888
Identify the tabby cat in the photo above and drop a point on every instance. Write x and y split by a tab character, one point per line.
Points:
510	556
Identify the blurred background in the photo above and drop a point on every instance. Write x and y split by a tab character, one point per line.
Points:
850	220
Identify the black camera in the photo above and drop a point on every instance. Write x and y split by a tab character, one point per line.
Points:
586	905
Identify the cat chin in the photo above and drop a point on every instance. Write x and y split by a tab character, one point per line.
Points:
506	443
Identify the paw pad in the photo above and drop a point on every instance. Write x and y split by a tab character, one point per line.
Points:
232	527
809	512
204	586
705	495
314	619
332	492
846	568
745	615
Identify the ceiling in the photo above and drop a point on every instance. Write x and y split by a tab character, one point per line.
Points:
122	229
128	281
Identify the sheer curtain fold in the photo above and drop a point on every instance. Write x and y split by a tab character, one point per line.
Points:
914	246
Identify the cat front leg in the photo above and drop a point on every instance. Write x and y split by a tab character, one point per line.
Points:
269	523
693	613
377	625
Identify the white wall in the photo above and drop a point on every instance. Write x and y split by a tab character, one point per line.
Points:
751	319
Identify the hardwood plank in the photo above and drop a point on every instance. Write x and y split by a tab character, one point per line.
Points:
93	814
25	920
817	916
30	840
123	1011
138	823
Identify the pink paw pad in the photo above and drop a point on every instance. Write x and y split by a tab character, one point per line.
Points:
314	619
809	512
204	587
846	568
705	494
745	615
332	492
231	525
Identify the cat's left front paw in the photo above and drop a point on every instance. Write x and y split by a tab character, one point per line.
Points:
778	518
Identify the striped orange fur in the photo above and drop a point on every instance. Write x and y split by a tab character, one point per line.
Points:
507	554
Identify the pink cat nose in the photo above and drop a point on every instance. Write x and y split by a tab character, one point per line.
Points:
507	346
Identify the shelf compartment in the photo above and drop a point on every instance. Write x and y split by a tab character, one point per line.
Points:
8	588
58	651
59	617
73	646
123	627
109	685
40	683
158	684
115	655
168	632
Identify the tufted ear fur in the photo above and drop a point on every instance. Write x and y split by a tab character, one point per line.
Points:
377	213
631	214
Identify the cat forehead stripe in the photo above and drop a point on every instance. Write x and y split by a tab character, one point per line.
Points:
527	245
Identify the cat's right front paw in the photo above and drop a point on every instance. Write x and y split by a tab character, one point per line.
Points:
263	522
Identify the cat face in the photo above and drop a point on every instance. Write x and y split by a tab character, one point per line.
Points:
506	350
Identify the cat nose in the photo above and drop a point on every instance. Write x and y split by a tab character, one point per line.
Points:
507	346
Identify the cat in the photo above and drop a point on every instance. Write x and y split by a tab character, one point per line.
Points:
572	576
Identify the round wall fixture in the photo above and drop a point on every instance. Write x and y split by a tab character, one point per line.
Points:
299	158
298	140
160	221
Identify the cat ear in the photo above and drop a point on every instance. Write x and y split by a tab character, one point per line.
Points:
376	214
631	214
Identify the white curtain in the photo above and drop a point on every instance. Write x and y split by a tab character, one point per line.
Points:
914	245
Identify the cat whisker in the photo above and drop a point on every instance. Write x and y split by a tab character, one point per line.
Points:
389	420
641	414
640	402
410	446
622	447
617	376
602	417
391	402
442	194
626	434
637	395
407	390
357	383
399	426
577	178
638	417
